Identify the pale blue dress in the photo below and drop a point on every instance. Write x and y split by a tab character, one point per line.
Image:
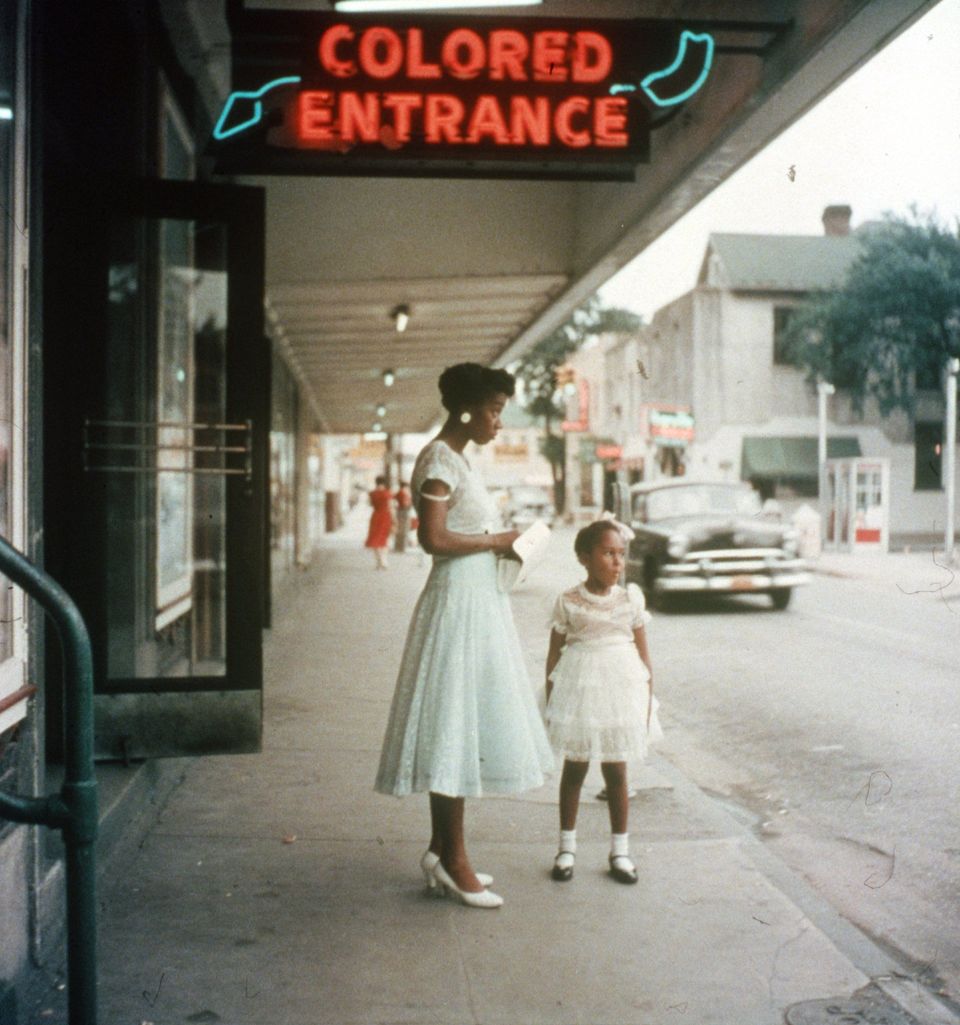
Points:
464	720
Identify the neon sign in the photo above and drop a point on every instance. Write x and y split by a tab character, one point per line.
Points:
485	97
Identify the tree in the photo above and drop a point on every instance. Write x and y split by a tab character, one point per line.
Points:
892	325
538	372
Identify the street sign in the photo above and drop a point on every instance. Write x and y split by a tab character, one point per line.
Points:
318	93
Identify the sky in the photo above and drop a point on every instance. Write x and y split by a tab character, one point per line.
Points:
886	139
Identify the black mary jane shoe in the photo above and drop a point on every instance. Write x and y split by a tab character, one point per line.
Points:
623	869
561	873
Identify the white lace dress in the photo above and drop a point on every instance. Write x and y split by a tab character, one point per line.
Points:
464	719
598	706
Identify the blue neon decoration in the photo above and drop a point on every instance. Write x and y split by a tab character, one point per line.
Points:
622	87
219	132
655	76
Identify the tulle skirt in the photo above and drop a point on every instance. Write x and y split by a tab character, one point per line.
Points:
464	718
598	706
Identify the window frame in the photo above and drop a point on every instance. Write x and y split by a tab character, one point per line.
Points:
13	669
782	314
932	479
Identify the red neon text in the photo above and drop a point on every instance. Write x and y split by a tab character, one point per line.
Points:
576	122
499	54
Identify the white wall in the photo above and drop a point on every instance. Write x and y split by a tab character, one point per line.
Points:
713	350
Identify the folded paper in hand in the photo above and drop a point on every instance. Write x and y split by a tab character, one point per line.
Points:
529	549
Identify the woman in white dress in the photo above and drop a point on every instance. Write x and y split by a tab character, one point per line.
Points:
464	720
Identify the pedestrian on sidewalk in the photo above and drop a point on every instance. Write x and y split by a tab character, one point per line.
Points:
464	719
381	522
600	702
404	502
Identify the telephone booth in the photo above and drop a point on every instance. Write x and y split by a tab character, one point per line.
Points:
857	505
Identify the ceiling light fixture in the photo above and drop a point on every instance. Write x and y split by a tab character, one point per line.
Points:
401	317
377	428
381	410
388	378
388	6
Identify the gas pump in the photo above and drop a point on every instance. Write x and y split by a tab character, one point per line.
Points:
857	505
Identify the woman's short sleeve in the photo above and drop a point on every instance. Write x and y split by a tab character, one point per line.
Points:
638	607
559	620
438	464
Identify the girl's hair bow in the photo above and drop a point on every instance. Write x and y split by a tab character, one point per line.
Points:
628	534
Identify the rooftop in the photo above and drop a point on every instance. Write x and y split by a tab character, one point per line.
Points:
779	263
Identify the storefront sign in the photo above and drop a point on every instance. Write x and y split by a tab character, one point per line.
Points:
578	408
317	93
508	451
670	426
609	451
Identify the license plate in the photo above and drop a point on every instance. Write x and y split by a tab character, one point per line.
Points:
741	583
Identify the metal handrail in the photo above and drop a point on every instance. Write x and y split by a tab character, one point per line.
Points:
104	448
74	809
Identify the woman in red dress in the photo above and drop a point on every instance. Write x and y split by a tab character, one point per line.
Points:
381	522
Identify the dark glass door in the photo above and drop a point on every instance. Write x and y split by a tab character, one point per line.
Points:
174	441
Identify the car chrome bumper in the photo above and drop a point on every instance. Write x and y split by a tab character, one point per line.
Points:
732	574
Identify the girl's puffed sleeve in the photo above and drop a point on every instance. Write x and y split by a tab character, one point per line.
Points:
559	618
438	464
638	607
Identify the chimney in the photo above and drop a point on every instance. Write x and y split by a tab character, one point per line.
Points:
836	220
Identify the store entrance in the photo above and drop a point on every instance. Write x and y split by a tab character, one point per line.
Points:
172	415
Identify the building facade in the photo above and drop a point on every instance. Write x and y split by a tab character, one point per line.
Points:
706	388
154	438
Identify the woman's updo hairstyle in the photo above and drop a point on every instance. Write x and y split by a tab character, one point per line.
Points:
469	384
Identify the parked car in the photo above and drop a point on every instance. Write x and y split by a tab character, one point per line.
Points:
526	503
701	537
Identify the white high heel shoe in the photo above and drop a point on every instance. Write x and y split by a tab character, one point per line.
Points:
429	860
483	899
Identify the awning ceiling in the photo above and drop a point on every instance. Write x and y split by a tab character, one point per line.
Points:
790	458
489	267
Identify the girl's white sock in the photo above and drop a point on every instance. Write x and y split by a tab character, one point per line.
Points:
567	848
619	845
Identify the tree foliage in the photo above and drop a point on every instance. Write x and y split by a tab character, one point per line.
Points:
538	369
892	325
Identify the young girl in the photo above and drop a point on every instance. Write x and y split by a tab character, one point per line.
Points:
599	690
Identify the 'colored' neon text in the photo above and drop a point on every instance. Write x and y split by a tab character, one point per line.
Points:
498	55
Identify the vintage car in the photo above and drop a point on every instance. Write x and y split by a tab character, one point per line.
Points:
705	537
526	503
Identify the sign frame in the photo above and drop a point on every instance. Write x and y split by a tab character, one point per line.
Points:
316	93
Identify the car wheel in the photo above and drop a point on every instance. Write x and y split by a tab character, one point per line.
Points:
781	597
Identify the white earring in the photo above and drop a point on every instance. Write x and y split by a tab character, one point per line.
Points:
465	417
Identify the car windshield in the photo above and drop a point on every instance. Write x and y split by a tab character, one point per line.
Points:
701	499
528	496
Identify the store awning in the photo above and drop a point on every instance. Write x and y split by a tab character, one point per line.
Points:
793	458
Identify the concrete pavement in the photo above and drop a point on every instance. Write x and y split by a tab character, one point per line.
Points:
279	888
926	574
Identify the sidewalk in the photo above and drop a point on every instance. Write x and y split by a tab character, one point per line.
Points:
917	572
279	889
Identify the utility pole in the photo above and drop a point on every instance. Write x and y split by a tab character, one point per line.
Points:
824	390
950	458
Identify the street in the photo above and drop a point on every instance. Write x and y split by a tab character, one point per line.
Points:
279	888
833	729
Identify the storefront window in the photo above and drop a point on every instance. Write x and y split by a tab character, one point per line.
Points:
7	427
6	365
283	449
13	270
176	146
161	450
